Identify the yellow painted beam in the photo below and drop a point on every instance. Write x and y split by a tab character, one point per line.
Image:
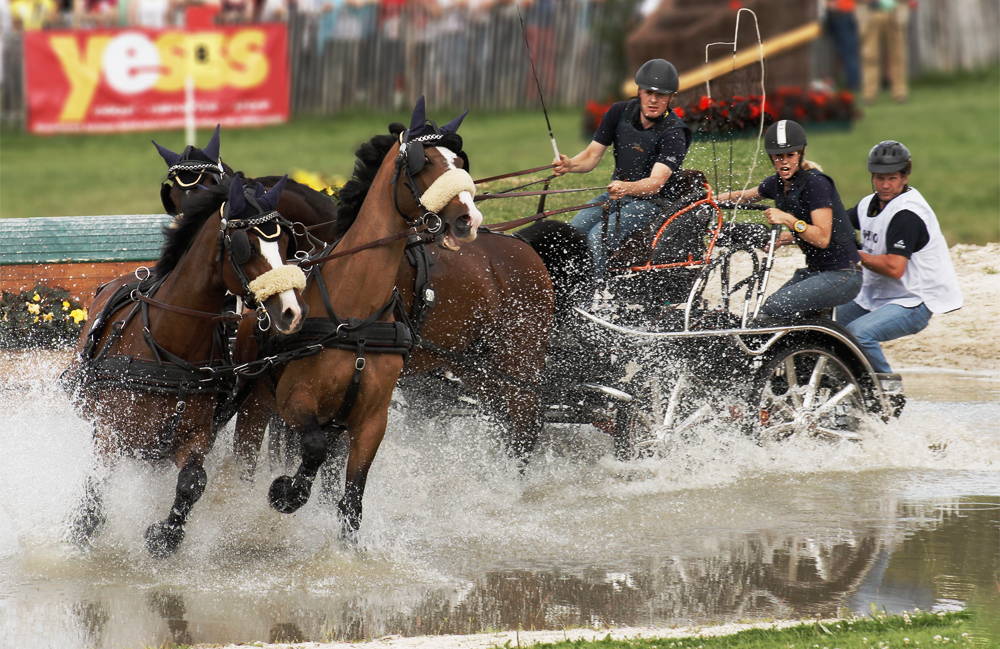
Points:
771	47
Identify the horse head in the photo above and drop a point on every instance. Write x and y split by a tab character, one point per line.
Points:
431	163
255	239
189	170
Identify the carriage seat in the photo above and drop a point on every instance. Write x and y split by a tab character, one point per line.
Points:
682	240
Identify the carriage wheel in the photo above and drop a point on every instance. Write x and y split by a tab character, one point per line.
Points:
666	409
808	393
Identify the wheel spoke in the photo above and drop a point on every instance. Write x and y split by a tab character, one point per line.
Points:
793	380
777	430
836	434
701	414
845	392
817	375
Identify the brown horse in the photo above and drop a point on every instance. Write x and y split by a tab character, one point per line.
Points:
154	358
400	180
466	307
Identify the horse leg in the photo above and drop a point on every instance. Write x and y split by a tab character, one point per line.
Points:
287	494
251	421
89	518
364	443
163	538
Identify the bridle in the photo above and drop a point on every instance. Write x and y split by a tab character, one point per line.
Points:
410	161
214	171
234	242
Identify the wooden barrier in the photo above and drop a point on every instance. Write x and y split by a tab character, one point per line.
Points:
77	253
80	279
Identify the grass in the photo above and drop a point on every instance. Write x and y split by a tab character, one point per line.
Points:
950	124
880	632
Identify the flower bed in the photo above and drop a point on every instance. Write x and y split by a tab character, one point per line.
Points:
740	116
40	317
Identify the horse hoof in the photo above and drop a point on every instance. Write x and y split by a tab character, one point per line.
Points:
85	528
285	497
162	539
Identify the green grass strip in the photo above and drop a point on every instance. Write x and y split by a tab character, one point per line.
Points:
912	630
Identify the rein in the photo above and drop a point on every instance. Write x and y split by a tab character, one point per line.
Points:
539	192
513	174
214	317
417	229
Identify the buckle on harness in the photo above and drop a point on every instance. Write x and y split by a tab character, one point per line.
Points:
359	364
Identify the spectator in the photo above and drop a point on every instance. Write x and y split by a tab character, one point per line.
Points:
235	12
884	25
152	14
32	15
842	23
96	13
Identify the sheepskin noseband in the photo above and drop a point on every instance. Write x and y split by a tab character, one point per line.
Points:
447	186
276	280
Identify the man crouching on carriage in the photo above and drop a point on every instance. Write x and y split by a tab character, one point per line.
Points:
650	143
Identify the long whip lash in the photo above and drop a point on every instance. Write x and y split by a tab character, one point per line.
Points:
538	85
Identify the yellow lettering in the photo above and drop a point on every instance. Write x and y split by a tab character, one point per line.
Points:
248	66
173	59
83	73
207	65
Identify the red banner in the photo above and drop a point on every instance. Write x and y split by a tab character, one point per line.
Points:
106	80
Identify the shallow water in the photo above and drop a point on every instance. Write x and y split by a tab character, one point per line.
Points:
455	540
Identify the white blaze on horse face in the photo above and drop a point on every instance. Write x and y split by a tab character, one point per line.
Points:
466	198
287	299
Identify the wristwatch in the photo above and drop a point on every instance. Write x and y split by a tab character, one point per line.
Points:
800	226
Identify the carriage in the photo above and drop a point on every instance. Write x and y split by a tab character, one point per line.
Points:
672	344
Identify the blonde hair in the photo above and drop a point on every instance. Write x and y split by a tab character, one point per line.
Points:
809	164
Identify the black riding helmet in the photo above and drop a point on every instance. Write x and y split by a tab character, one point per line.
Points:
658	75
784	136
887	157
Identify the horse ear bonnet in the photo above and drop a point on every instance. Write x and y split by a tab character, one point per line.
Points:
427	131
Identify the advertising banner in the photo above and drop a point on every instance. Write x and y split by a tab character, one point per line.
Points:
106	80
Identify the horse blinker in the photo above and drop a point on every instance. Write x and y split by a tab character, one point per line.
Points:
239	247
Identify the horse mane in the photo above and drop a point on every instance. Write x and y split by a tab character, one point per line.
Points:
323	209
369	159
178	235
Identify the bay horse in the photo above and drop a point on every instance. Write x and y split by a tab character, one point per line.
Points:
408	178
466	307
153	359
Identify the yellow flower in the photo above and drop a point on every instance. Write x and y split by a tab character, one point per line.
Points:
65	305
34	308
35	320
36	298
47	317
78	315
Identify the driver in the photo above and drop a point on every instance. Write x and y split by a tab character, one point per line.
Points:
650	142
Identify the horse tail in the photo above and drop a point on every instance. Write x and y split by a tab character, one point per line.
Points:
563	249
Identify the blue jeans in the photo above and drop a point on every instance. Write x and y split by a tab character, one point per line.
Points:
634	215
809	291
843	26
887	322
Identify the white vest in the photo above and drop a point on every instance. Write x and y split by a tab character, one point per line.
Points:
929	277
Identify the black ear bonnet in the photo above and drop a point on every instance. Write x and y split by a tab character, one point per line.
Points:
255	202
424	132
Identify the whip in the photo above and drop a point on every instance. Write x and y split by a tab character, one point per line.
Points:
538	85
